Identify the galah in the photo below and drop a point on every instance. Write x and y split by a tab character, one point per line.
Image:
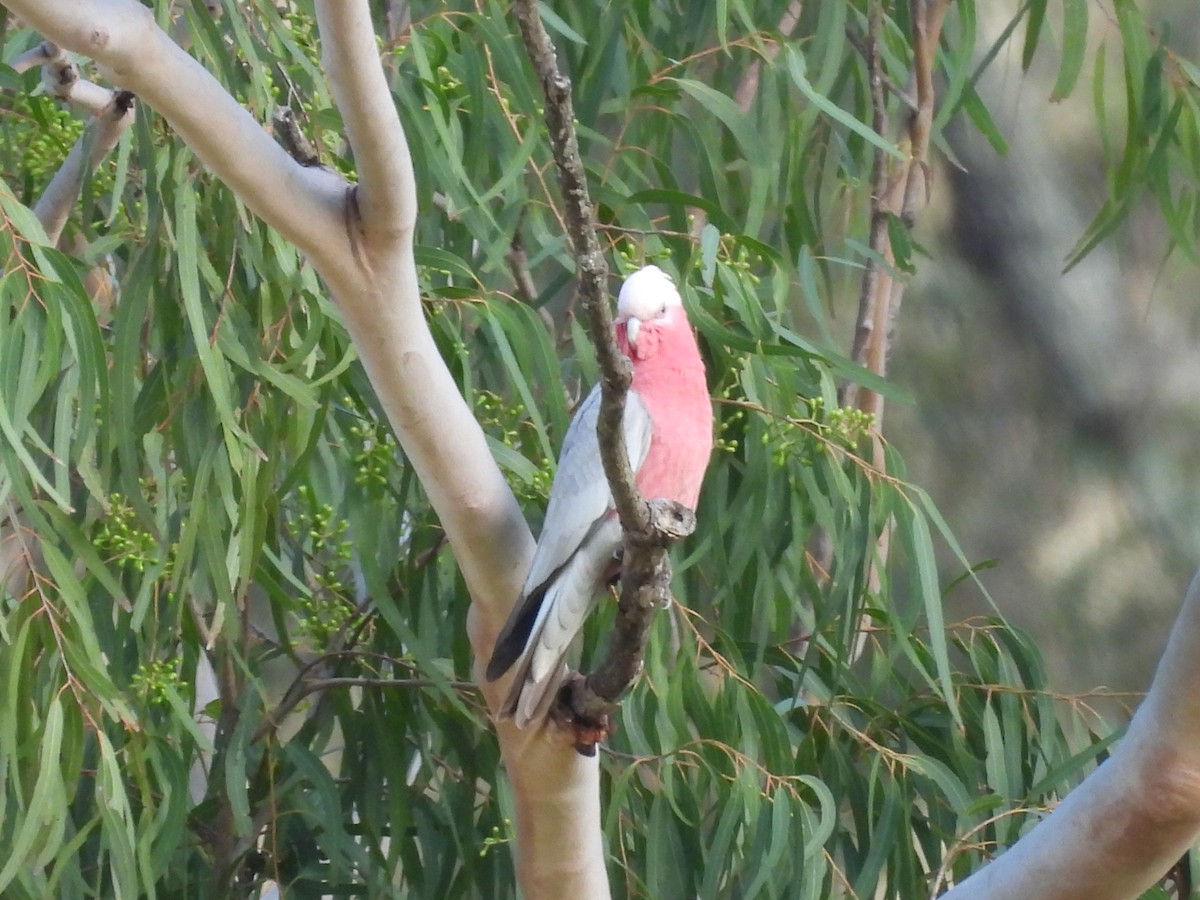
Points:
668	434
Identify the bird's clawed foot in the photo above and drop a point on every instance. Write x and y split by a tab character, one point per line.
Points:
583	732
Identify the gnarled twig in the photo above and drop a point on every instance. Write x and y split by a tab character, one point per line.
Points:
646	572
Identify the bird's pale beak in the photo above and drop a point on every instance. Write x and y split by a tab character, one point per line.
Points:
632	326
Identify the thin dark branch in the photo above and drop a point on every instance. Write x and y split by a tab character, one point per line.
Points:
860	44
303	681
518	264
524	285
903	195
313	685
869	295
646	575
296	691
589	259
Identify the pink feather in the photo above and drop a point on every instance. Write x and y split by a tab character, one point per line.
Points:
668	374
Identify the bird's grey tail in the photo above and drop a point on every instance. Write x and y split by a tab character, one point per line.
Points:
515	637
529	697
529	700
540	630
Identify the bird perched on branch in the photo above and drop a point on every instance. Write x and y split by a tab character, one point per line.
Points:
668	433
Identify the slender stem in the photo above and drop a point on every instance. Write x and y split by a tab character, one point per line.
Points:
869	295
589	259
649	528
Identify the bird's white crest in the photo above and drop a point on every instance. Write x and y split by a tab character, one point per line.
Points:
647	293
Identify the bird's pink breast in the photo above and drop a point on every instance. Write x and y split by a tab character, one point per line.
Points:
668	374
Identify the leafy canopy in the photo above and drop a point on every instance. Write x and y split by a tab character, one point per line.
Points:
202	485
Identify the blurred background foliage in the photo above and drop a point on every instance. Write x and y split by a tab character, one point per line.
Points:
233	639
1064	449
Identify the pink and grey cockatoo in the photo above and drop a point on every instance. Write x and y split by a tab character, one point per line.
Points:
668	433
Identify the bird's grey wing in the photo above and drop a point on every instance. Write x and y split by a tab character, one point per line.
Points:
579	502
580	496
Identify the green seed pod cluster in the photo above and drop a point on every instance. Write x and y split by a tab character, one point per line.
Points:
498	837
321	530
120	537
374	456
45	131
327	611
731	423
154	679
329	606
508	423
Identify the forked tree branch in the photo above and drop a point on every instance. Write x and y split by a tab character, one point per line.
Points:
112	113
387	197
39	55
61	78
375	285
99	138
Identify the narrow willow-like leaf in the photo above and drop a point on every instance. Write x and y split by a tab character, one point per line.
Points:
797	69
43	815
1074	47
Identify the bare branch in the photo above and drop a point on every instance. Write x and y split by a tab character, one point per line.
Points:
645	581
97	141
906	98
43	53
387	194
904	195
304	204
518	265
589	259
901	194
747	88
875	284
